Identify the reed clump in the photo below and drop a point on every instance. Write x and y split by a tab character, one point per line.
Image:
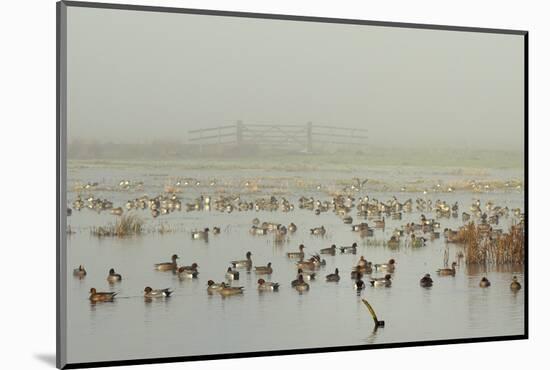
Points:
483	246
126	225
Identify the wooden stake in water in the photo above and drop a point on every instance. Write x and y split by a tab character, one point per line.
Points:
377	323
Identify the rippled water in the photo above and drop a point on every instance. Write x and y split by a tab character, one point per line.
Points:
193	322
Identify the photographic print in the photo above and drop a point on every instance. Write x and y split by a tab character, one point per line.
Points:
240	184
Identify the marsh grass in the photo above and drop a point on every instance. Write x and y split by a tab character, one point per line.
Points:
126	225
484	248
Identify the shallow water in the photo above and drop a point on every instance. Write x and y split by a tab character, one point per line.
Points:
193	322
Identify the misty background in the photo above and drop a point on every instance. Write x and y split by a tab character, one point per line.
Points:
138	78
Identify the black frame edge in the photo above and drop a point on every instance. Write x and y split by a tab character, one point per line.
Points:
227	13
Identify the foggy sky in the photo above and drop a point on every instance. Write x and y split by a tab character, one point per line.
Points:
139	76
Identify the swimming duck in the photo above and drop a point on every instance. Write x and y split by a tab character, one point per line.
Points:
157	293
318	230
213	287
484	283
363	263
79	272
299	284
359	284
216	230
117	211
299	254
390	266
426	281
347	220
350	249
307	275
292	227
334	277
448	271
255	230
227	290
380	224
247	263
308	265
231	275
330	250
515	285
200	234
113	277
188	272
264	269
101	296
385	281
267	285
168	266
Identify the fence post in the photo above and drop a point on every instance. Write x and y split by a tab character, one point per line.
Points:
239	127
309	133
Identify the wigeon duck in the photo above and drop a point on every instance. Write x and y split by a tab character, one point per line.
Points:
168	266
79	272
330	250
292	227
390	266
515	285
299	284
113	277
299	254
227	290
101	296
448	271
201	234
231	275
188	272
247	263
267	285
157	293
381	282
335	277
426	281
350	249
318	230
264	269
484	283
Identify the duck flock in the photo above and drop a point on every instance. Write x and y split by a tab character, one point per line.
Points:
347	205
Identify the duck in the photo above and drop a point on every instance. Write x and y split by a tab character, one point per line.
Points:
113	277
187	272
380	224
231	275
390	266
359	284
381	282
335	277
200	234
213	287
515	285
216	230
117	211
363	263
448	271
330	250
426	281
299	284
247	263
157	293
484	283
350	249
318	230
255	230
267	285
168	266
292	227
79	272
307	275
268	270
348	220
101	296
299	254
227	290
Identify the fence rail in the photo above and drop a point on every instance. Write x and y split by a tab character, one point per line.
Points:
303	137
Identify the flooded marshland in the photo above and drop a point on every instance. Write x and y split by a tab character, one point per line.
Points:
329	314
